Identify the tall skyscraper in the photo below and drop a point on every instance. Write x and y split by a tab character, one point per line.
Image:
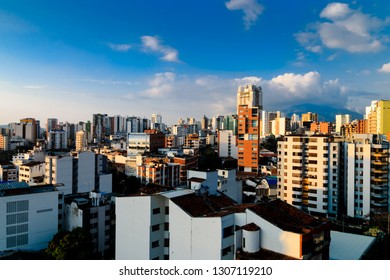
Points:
249	107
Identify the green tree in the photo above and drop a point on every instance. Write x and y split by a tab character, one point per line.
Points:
73	245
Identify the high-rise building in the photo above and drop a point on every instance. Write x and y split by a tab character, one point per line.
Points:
51	124
266	119
81	140
5	142
327	177
28	129
378	116
309	173
156	121
204	122
57	140
249	107
310	117
227	146
366	180
341	120
78	172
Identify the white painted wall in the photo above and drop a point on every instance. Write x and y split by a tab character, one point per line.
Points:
42	220
105	183
275	239
86	172
132	232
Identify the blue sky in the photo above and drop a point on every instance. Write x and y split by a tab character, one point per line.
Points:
187	58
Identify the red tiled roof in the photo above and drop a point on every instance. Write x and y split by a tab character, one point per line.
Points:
286	216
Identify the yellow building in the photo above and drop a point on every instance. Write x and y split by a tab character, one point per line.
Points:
383	119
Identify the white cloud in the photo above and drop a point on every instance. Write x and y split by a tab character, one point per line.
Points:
335	11
161	85
153	44
109	82
345	29
119	47
34	86
251	9
248	80
385	68
184	96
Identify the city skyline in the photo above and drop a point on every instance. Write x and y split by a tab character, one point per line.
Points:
72	60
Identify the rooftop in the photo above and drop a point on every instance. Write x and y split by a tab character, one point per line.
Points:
205	205
32	163
286	216
348	246
20	188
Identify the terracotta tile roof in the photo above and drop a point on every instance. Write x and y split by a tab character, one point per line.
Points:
286	216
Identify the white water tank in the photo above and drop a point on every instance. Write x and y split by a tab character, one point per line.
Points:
250	238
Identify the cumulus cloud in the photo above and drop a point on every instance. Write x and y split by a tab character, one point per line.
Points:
344	28
251	9
210	95
119	47
154	44
385	68
248	80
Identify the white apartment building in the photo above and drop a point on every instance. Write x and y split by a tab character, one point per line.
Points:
229	185
185	225
341	120
28	216
36	154
308	173
79	172
227	146
31	171
367	176
322	175
57	140
280	126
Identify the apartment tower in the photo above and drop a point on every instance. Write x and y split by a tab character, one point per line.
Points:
249	108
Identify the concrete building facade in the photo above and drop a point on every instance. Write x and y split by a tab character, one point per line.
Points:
249	107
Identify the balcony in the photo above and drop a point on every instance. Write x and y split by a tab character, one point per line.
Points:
383	195
379	187
379	162
379	171
382	203
380	179
379	154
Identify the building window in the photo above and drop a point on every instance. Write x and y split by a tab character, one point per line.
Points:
156	227
156	211
155	244
228	231
226	250
166	210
